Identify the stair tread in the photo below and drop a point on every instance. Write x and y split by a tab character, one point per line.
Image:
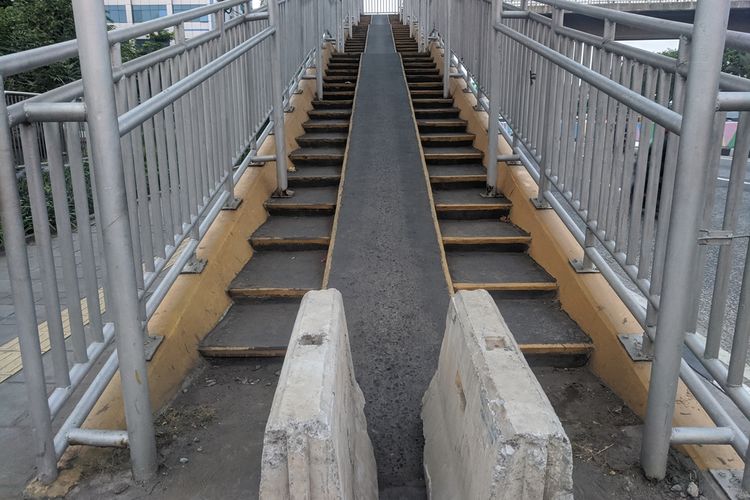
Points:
321	153
446	135
451	170
452	150
466	196
308	171
323	136
318	123
495	267
540	321
323	195
300	226
253	328
478	228
285	269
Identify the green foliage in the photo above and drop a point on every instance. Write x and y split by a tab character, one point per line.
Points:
153	42
28	24
23	192
735	62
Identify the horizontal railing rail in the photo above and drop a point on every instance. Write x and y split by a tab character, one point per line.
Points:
599	125
124	171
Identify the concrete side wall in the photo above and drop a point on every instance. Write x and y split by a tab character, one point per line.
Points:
316	444
490	431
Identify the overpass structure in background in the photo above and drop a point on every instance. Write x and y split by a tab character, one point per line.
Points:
682	11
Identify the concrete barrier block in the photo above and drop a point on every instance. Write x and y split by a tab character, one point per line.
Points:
316	444
490	431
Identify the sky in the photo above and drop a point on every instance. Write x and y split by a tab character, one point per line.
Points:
652	45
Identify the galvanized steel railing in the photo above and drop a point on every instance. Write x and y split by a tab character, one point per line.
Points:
381	6
625	146
167	136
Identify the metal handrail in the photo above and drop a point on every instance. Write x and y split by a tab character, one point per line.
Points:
155	192
581	125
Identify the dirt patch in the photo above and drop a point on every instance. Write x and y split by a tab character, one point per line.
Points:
209	439
606	440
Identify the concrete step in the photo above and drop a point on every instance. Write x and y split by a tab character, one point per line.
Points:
310	200
315	176
285	232
455	173
329	114
422	71
431	113
340	78
326	125
452	154
441	124
327	155
426	94
339	86
273	274
468	203
545	333
327	103
447	139
425	85
472	232
318	139
417	81
252	328
339	95
511	273
431	102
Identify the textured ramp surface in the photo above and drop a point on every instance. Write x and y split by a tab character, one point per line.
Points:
386	263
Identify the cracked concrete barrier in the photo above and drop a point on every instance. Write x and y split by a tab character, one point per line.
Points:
490	431
316	444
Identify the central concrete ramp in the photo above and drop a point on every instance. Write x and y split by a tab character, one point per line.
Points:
386	263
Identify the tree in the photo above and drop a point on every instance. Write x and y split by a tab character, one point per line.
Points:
735	62
27	24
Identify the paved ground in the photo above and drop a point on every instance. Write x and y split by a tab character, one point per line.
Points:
386	263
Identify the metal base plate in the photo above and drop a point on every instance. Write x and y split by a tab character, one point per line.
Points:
730	482
194	266
282	194
480	109
232	203
289	109
577	264
151	344
540	204
467	90
633	344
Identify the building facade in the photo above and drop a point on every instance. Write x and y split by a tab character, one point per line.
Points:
126	12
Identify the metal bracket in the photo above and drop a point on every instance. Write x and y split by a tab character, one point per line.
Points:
578	265
289	109
288	193
151	344
467	90
232	203
633	344
491	192
730	481
298	91
480	109
194	266
718	237
540	204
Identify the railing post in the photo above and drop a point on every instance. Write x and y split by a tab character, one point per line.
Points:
96	72
702	86
319	56
539	202
494	111
282	186
232	202
23	302
447	50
